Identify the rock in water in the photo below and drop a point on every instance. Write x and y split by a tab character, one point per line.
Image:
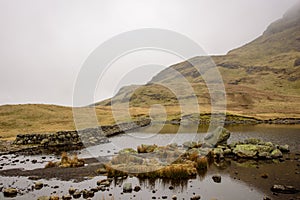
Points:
10	192
38	185
284	189
217	178
137	188
127	188
218	137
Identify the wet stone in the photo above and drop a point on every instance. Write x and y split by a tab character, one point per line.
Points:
10	192
38	185
77	195
217	178
196	197
284	189
72	190
137	188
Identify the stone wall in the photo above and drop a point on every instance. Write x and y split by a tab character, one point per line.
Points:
86	137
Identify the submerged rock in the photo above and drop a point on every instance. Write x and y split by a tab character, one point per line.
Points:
218	137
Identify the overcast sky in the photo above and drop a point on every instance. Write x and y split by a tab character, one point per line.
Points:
43	43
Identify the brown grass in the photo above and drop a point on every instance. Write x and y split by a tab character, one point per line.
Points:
66	161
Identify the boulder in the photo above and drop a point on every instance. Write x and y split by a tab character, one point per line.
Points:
245	150
127	188
217	137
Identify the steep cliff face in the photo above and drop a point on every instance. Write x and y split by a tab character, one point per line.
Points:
261	78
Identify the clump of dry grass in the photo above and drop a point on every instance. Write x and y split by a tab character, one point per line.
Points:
201	163
66	161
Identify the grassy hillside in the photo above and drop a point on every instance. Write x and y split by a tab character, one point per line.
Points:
261	78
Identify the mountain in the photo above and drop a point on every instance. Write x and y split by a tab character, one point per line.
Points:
261	78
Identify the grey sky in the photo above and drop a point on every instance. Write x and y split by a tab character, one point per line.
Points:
44	43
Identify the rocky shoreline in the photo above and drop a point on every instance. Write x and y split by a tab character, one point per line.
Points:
230	119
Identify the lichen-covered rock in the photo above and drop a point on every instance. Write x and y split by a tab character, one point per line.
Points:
276	153
245	150
218	137
284	148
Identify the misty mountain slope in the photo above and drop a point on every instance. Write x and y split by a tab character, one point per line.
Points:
261	78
